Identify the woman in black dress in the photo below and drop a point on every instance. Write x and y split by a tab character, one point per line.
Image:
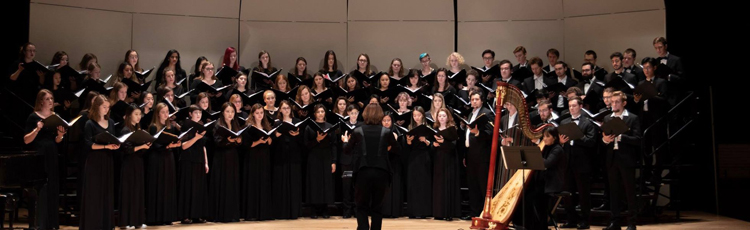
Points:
419	170
171	61
446	196
207	76
394	196
256	170
287	168
193	167
300	76
224	187
97	198
264	66
44	140
132	198
161	178
304	98
444	88
321	164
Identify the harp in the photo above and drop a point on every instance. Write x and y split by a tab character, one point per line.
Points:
498	210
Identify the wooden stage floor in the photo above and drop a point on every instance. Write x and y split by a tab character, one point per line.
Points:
690	220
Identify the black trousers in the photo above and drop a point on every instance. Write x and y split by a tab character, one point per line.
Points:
581	183
347	191
622	178
370	185
476	178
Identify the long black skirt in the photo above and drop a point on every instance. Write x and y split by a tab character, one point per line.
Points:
192	195
161	187
98	197
256	184
287	190
224	187
132	197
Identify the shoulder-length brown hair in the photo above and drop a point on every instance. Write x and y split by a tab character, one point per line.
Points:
115	89
128	114
276	83
260	63
373	114
301	88
94	110
40	98
400	71
264	121
450	121
155	117
335	61
200	97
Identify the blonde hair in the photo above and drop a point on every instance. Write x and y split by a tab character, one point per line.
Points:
458	56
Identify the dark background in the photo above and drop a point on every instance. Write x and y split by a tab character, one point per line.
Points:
706	36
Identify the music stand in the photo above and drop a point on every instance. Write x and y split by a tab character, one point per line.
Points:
523	158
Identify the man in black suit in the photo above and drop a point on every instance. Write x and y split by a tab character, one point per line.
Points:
592	88
618	71
559	102
590	56
488	57
673	61
552	56
622	152
521	71
537	80
477	161
543	114
630	65
506	69
649	111
578	178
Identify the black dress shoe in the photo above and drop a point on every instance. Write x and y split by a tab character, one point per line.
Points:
186	221
449	219
631	227
199	220
347	216
569	225
313	216
466	218
439	218
326	216
584	225
612	226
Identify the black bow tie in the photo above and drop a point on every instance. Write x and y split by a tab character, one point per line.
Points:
575	119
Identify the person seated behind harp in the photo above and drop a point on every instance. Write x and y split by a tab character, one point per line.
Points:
512	134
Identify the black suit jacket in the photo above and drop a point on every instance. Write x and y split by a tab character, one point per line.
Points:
600	73
593	99
629	146
478	153
528	84
675	63
637	71
582	149
512	81
556	162
628	77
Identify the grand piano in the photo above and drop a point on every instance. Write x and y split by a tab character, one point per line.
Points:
21	172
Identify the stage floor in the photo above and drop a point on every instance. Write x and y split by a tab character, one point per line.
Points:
690	220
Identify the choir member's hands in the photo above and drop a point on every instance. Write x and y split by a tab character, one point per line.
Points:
507	141
637	97
608	138
200	135
269	140
345	137
474	130
409	138
41	76
302	113
206	165
56	104
395	136
333	168
279	134
294	133
583	97
384	100
435	144
39	126
238	140
329	100
218	94
232	140
464	162
564	139
350	99
439	139
366	84
60	131
247	107
20	68
400	123
257	142
321	136
112	146
424	140
143	146
174	145
66	103
135	94
361	105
